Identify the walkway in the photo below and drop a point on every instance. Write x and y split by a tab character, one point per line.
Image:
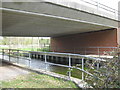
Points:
37	64
8	71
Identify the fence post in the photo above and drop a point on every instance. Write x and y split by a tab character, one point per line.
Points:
119	56
98	51
82	68
45	62
9	55
69	66
97	5
115	13
98	65
2	54
99	57
18	56
29	59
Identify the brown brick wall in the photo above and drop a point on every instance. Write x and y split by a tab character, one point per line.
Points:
118	38
73	43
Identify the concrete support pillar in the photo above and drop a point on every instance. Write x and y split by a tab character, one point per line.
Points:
59	59
38	56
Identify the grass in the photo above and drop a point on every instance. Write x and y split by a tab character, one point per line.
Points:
45	49
34	80
75	73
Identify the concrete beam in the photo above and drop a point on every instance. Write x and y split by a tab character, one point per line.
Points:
62	11
90	7
46	19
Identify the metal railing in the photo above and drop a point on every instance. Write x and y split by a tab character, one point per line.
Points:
102	6
26	55
89	2
16	54
98	51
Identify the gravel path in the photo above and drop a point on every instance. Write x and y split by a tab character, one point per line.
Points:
8	72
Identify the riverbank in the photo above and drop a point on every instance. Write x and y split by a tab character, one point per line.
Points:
34	80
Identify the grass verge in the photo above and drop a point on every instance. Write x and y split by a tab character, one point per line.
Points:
34	80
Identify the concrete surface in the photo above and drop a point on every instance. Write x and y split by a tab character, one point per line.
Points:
87	7
8	72
48	19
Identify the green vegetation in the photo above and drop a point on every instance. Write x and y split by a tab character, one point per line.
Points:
45	49
4	48
34	80
108	75
25	43
74	72
23	40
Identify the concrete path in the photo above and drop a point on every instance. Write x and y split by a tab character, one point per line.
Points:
8	71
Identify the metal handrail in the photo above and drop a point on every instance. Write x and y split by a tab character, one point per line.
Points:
51	53
70	67
94	3
99	5
65	54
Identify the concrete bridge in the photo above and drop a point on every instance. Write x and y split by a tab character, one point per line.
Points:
69	24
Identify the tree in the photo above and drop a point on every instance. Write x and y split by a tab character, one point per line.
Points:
5	41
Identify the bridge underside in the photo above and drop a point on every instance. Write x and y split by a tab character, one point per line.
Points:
23	24
69	28
66	35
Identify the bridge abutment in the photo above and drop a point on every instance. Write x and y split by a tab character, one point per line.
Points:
86	43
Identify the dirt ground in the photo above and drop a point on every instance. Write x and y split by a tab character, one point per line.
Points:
8	71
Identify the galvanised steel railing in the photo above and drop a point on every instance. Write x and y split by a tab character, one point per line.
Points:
93	3
98	51
102	6
26	55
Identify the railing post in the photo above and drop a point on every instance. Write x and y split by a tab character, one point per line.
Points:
115	13
18	56
97	5
45	62
69	66
82	68
2	54
98	65
98	51
9	55
29	59
119	56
